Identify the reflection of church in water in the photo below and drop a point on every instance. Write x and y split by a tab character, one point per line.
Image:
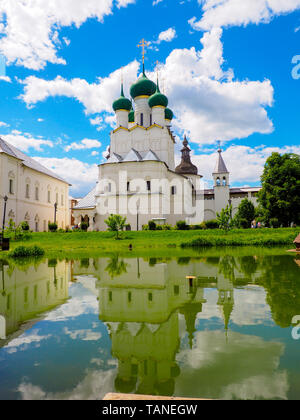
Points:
143	304
27	293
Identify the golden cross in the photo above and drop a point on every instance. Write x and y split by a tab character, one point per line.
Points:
143	44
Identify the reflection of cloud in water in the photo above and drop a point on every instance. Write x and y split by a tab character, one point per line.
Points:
82	302
93	387
25	341
83	335
246	367
250	307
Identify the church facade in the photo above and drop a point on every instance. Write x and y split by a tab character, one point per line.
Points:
139	180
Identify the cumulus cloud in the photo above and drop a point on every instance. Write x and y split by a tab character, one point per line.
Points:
224	13
25	141
167	35
85	144
29	30
5	79
95	97
81	175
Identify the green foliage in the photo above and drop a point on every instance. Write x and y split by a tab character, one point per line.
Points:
52	227
151	225
182	225
27	252
212	224
116	223
225	218
167	227
245	214
25	226
274	223
280	194
16	233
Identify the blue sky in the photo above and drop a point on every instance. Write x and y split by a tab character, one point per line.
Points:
227	73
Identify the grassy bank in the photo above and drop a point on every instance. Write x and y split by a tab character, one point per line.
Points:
96	243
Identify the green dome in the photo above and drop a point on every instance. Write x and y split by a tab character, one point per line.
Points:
143	87
131	116
169	114
122	103
158	99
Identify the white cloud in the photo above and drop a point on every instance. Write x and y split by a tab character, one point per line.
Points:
96	97
30	29
81	175
83	335
3	124
85	144
223	13
5	79
245	164
25	141
167	35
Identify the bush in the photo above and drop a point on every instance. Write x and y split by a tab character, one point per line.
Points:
151	225
23	252
182	225
274	223
84	226
25	226
53	227
243	224
202	226
166	227
212	224
145	227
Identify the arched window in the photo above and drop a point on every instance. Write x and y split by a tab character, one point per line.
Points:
27	191
37	193
224	181
218	182
142	120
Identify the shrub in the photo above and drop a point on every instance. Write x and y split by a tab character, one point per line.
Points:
182	225
151	225
53	227
159	227
243	223
274	223
212	224
24	226
84	226
145	227
166	227
25	252
128	227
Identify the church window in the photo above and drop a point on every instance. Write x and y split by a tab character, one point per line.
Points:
150	297
27	190
129	297
173	190
148	185
49	196
142	120
62	200
36	193
218	182
11	186
128	186
110	297
151	119
109	187
224	182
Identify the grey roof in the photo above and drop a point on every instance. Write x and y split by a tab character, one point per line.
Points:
220	166
134	156
88	202
27	161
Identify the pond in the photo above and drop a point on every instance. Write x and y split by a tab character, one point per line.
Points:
79	329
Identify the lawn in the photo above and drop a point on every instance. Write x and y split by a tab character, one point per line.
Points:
92	243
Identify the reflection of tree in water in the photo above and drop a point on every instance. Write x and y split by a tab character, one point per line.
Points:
116	267
281	281
249	265
227	265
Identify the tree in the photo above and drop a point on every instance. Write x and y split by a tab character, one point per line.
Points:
245	214
280	194
116	223
225	218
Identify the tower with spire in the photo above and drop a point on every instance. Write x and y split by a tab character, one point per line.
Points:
221	183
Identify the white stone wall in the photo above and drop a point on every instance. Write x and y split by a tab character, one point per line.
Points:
21	207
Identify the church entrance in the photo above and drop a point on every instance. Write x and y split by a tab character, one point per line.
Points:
86	219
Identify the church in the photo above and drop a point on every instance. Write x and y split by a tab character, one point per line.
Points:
140	180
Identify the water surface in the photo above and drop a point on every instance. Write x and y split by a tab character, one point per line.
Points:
80	329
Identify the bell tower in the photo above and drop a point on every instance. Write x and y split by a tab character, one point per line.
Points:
221	183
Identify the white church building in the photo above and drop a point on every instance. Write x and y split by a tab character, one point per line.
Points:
139	180
31	191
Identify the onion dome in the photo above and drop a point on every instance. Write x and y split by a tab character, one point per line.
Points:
158	99
186	167
122	104
169	114
143	87
131	115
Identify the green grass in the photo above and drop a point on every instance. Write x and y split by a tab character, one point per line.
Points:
100	243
